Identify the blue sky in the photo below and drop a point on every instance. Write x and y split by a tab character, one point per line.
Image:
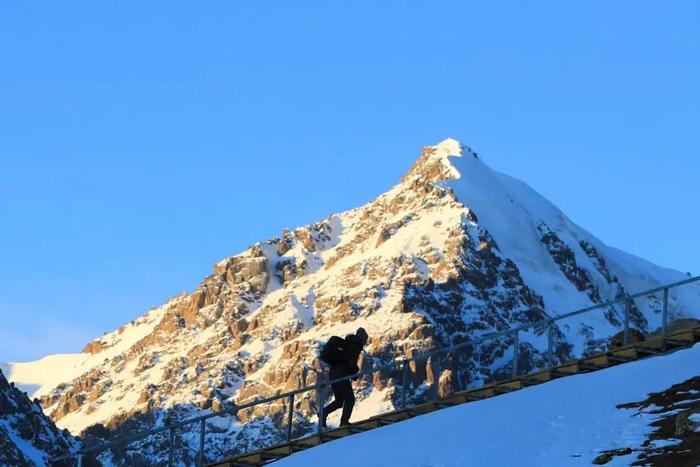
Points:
140	142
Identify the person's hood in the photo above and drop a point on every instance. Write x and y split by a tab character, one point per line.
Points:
362	335
352	338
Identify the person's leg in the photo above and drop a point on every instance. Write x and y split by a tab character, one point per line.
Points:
348	398
336	404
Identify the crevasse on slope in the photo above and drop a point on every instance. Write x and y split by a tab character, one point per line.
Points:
453	251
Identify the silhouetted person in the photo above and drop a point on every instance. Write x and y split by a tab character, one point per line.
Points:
341	355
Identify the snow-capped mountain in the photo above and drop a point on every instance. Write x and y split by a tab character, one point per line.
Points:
27	436
451	252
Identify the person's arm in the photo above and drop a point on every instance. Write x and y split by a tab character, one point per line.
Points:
354	354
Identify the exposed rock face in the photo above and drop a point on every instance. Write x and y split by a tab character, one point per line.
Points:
426	264
678	325
687	423
94	347
27	436
608	456
618	340
675	435
565	257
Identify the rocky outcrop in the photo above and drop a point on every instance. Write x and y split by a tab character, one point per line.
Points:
687	423
674	438
565	257
94	347
677	325
618	340
87	388
27	436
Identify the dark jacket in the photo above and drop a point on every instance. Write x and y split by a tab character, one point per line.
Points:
351	352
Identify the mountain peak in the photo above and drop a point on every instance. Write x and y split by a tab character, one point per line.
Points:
434	163
448	147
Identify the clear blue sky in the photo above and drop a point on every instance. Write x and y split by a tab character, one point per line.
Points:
140	142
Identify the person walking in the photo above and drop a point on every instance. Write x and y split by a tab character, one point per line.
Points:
342	355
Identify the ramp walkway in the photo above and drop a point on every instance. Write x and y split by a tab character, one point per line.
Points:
662	345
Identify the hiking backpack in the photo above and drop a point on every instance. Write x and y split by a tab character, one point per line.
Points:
333	351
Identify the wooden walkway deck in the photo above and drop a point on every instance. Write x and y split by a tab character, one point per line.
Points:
678	340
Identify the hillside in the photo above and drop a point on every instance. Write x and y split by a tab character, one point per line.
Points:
27	436
451	252
579	420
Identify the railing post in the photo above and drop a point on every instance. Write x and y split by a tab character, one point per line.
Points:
321	401
436	364
664	315
404	384
171	454
290	417
80	459
627	322
516	344
200	460
550	343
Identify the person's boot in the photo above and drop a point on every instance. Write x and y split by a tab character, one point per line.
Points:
347	412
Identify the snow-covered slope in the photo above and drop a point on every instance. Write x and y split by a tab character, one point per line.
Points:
27	436
565	422
38	378
453	251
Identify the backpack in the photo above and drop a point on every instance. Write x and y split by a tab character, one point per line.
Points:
333	351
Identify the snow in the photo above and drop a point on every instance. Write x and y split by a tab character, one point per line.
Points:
37	456
75	422
695	419
47	372
39	377
662	443
510	210
377	401
564	422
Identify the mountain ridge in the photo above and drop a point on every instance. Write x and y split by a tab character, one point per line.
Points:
453	251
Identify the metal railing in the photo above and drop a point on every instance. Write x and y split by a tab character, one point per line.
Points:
321	388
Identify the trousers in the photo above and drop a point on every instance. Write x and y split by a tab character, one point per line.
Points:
343	396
